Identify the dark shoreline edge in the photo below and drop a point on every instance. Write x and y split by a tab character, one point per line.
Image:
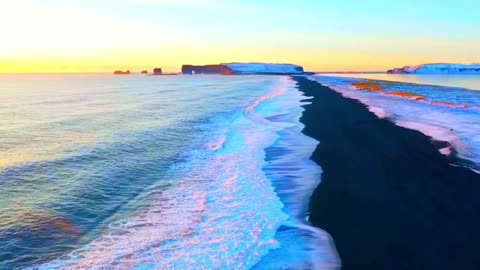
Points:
388	198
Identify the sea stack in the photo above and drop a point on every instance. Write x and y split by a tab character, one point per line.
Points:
144	72
157	71
120	72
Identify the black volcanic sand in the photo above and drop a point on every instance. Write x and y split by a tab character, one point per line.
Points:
389	199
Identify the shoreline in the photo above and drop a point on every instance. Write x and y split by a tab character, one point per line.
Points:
387	196
305	246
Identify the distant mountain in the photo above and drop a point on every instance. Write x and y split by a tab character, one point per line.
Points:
441	68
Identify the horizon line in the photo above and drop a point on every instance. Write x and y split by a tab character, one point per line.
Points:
139	72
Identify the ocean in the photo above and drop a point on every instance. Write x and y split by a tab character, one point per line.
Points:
185	172
156	172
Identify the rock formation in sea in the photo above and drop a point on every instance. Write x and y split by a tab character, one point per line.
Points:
144	72
206	69
438	69
157	71
120	72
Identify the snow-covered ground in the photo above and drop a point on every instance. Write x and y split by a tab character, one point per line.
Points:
439	69
264	68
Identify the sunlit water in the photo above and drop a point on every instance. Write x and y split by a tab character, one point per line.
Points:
445	113
145	172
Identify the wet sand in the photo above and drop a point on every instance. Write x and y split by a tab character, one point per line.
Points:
388	197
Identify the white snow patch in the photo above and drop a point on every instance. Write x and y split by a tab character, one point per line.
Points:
440	68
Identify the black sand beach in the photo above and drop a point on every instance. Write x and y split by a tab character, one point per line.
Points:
389	199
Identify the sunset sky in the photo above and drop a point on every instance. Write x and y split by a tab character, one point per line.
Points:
104	35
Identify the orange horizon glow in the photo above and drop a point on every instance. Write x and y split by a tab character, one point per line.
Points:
311	61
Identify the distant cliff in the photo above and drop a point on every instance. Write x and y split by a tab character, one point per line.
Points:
206	69
438	69
265	68
244	68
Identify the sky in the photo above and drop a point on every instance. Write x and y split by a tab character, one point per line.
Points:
321	35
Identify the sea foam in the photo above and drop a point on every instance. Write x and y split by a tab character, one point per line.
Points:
231	209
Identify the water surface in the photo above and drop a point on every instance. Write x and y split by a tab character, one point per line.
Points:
146	172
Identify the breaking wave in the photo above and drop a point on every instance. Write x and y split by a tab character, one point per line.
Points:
238	202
